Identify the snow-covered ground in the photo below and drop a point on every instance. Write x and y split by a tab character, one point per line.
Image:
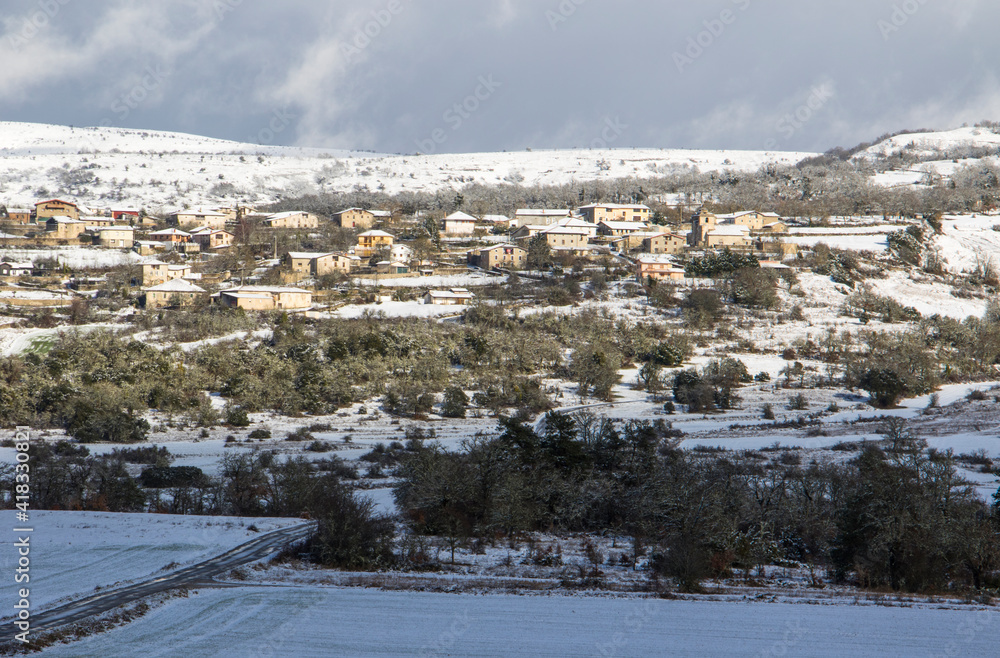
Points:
158	170
74	552
73	257
868	238
435	281
932	142
315	621
398	310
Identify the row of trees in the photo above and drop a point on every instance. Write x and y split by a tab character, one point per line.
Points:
350	534
814	188
898	516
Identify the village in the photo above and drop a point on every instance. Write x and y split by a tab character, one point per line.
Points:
231	255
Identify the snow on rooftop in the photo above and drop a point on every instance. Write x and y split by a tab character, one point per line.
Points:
176	285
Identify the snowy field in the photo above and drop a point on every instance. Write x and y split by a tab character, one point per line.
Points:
397	310
73	257
435	281
74	552
186	167
337	622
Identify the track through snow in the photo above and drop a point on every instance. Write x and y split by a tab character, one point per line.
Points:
200	574
314	621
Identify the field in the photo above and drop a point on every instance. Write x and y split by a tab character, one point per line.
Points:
72	553
337	622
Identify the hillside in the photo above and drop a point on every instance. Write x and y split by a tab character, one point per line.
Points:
109	166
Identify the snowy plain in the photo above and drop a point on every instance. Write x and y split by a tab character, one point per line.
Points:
72	553
350	622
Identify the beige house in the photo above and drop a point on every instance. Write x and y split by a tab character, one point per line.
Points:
291	220
575	222
502	256
528	231
664	243
258	298
97	222
452	297
115	237
566	239
360	218
155	272
731	236
176	292
535	217
658	268
315	264
64	228
213	238
19	216
613	229
752	219
172	235
701	223
56	208
613	212
208	218
460	224
707	232
371	242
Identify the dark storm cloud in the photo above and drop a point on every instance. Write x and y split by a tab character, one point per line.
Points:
405	75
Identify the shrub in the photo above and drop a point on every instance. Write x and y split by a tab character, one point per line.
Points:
150	455
725	262
350	534
456	402
666	355
260	434
300	435
753	287
798	403
107	426
885	386
162	477
319	446
702	307
237	416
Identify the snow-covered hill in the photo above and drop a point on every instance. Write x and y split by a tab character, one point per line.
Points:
932	143
105	167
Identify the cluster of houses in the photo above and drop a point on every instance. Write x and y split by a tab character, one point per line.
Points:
622	229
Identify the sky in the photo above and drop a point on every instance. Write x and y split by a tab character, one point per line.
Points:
450	76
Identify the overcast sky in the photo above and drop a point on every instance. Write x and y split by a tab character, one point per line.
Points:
401	76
